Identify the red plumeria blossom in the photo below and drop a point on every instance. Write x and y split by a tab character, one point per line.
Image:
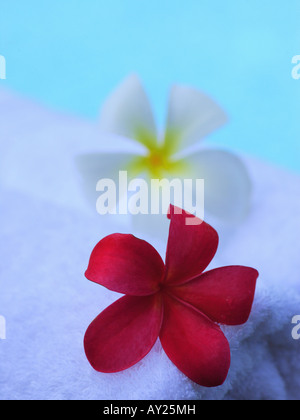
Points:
175	301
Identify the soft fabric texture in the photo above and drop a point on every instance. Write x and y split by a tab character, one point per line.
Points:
47	234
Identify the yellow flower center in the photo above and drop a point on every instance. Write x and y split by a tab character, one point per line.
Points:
158	162
156	159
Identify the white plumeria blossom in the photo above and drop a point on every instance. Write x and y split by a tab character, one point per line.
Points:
191	116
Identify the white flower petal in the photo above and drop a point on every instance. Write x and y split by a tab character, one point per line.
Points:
192	115
127	113
227	183
96	166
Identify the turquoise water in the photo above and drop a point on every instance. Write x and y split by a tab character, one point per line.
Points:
70	54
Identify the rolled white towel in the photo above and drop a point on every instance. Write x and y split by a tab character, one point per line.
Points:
46	240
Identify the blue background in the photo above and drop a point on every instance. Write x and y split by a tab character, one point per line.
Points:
70	54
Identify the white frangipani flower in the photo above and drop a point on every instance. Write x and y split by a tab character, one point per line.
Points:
191	116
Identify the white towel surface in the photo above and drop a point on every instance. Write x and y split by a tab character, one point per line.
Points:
47	235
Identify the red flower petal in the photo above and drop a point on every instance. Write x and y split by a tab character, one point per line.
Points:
126	264
195	344
225	294
123	333
190	247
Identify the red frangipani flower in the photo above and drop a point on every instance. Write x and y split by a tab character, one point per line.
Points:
176	302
